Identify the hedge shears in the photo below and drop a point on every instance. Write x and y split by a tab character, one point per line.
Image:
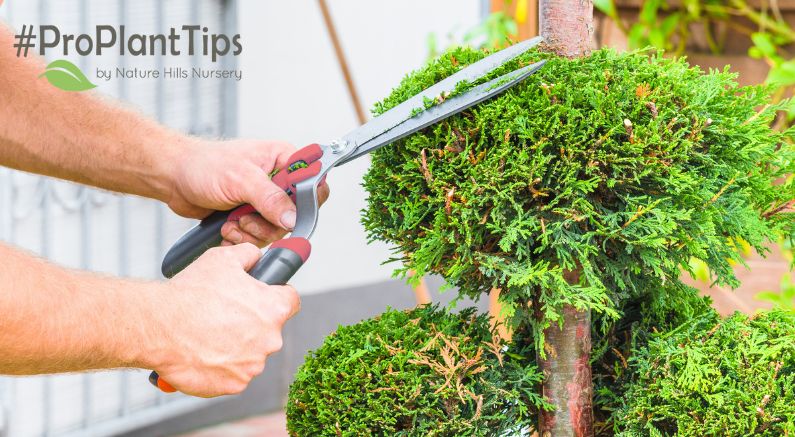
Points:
309	166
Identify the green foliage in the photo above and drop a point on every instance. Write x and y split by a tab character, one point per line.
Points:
614	347
347	384
420	372
668	25
736	377
622	166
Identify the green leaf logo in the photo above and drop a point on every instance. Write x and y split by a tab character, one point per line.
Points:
66	76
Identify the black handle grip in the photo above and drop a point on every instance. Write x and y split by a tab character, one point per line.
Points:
194	243
275	267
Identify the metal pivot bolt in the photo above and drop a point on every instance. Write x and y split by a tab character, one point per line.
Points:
338	146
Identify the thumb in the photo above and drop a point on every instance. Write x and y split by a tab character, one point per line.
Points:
272	203
245	254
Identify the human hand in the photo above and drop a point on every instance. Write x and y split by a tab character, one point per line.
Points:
218	324
220	175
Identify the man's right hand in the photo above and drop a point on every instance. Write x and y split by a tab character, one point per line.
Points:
218	324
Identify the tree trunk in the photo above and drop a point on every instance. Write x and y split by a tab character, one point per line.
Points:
567	372
567	27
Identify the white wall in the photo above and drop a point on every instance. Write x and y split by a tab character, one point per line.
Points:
293	89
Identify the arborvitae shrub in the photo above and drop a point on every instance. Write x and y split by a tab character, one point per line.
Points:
421	372
736	377
613	348
623	166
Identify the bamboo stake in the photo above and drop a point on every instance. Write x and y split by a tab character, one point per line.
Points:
496	318
421	294
342	61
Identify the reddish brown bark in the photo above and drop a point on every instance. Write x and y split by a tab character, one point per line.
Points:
567	371
567	27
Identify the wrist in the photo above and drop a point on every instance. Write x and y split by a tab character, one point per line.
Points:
148	313
179	148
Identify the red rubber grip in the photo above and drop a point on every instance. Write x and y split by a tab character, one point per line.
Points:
240	211
286	180
310	153
300	246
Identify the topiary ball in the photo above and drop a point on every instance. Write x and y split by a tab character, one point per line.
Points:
736	377
419	372
619	166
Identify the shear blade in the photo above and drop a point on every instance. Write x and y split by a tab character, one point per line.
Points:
446	109
404	111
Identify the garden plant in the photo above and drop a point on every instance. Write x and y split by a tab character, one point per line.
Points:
586	189
415	373
761	25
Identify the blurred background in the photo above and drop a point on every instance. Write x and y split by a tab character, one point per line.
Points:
311	69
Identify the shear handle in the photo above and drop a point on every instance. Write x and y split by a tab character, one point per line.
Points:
302	165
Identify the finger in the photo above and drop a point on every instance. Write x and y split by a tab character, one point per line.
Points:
270	155
323	192
232	233
245	254
282	152
261	229
248	238
271	202
289	296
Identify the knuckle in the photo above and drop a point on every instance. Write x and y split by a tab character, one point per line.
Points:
254	232
274	344
292	298
282	311
257	369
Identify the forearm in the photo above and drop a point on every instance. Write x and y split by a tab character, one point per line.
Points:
77	136
57	320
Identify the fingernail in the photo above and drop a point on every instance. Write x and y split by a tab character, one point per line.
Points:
234	236
288	220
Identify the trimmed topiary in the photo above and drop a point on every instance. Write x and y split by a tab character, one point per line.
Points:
421	372
590	185
733	377
622	167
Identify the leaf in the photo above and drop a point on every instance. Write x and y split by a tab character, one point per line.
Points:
783	74
65	75
670	23
608	7
648	13
768	296
637	36
693	7
657	38
764	43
